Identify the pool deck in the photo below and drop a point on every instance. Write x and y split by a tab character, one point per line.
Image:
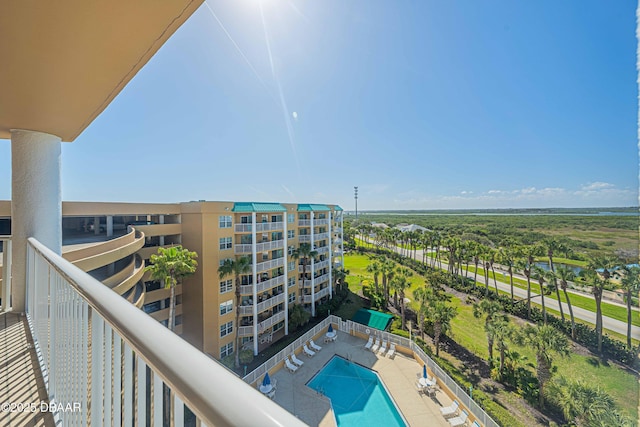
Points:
398	375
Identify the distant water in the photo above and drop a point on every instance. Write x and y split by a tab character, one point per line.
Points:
503	214
545	266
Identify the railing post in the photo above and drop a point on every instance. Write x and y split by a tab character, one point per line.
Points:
97	371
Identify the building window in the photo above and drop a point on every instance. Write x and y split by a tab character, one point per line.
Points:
245	220
291	234
292	281
226	243
292	298
291	218
226	350
290	250
226	329
225	221
226	307
226	286
222	261
292	265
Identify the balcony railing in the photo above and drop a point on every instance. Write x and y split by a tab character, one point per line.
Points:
321	279
321	293
269	226
264	305
320	222
304	222
269	265
304	238
244	248
317	266
322	250
262	286
264	325
320	236
243	228
94	347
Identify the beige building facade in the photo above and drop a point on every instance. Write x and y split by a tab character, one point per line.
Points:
113	242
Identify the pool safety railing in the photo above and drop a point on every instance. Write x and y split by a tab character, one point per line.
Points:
120	366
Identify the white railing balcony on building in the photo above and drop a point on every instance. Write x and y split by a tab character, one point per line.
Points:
320	265
94	347
262	286
322	250
336	229
269	226
243	228
244	248
306	283
304	222
267	323
337	252
321	279
304	238
320	222
271	302
321	293
320	236
269	265
245	331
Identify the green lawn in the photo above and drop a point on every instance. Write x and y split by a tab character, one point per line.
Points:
468	332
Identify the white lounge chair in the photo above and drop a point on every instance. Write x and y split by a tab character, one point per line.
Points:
460	420
376	346
392	351
314	346
450	410
290	366
309	353
383	349
369	343
295	360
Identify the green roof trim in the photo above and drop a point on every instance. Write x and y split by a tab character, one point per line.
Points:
258	207
373	319
338	208
306	207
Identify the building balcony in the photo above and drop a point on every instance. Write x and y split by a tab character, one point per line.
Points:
95	348
269	265
262	286
321	279
260	227
323	221
320	236
304	223
304	238
247	248
320	294
273	320
322	250
264	305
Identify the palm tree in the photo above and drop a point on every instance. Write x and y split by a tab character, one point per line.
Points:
440	315
399	284
507	257
526	265
544	340
170	266
374	268
236	268
422	296
598	274
630	283
387	271
502	331
339	275
565	274
305	253
492	312
540	275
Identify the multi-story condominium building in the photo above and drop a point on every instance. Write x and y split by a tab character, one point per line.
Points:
114	241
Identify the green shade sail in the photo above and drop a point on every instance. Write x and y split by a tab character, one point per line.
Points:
373	319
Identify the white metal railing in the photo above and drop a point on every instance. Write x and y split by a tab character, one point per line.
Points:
320	236
322	250
245	331
268	265
264	305
243	248
94	347
322	221
304	222
304	238
269	226
320	279
5	288
243	228
267	323
266	246
316	266
262	286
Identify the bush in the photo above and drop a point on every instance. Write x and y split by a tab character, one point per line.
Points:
246	356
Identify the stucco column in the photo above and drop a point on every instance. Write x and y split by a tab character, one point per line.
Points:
36	201
109	225
96	225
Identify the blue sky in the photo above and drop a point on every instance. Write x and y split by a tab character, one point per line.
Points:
423	105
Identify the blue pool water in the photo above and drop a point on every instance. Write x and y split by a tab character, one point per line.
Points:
357	395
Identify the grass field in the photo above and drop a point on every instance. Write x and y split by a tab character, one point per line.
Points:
468	332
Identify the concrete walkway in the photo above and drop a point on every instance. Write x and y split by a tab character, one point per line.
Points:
398	375
20	378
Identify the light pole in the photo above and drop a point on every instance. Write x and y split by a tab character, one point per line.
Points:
355	189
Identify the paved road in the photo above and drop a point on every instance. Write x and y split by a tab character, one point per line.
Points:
579	313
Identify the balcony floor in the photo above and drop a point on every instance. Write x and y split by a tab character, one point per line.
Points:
20	377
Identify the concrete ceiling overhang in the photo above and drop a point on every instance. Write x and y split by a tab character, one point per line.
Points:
63	61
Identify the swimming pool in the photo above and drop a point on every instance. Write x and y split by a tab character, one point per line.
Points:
357	395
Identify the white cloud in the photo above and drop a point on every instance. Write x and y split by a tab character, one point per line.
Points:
295	116
595	186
